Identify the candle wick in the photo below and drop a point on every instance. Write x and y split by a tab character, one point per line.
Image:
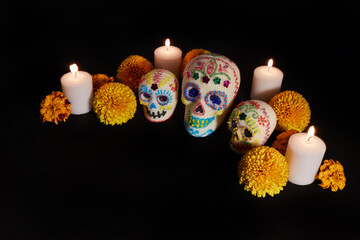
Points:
75	74
309	138
269	68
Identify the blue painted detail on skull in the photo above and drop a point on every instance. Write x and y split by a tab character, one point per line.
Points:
152	106
194	132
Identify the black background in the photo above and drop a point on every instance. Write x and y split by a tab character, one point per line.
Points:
86	180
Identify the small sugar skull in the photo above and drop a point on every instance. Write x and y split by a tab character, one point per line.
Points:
251	123
158	92
210	84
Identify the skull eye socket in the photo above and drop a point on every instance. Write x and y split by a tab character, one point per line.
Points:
163	97
192	92
217	100
247	133
145	96
162	100
233	124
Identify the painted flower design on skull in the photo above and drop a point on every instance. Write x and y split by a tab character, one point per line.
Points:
251	123
210	84
158	93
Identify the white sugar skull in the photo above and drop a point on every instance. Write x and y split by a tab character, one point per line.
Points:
210	84
251	123
158	92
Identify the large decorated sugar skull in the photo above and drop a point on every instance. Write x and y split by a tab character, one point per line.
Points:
158	92
251	123
210	84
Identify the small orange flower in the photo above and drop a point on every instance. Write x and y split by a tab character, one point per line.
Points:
190	55
132	69
55	108
99	80
282	140
332	175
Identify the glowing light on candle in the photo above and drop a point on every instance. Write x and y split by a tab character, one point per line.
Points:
168	57
167	43
270	64
74	69
310	133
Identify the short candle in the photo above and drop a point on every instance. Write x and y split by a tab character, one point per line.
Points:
77	86
266	82
304	155
168	57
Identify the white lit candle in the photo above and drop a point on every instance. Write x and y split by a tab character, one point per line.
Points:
304	155
77	86
168	57
266	82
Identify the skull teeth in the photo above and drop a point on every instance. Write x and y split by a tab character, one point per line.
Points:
198	122
156	114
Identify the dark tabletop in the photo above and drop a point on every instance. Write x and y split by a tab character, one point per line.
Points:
141	180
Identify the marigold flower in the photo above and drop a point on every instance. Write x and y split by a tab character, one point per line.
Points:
282	140
99	80
55	108
190	55
132	69
292	111
114	103
263	170
332	175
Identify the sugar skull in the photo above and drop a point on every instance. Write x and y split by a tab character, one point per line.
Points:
251	123
158	92
210	84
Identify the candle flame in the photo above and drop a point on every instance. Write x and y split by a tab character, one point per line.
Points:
74	69
270	64
167	43
310	133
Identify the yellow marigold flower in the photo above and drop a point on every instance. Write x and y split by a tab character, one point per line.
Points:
55	108
99	80
263	170
132	69
114	103
332	175
190	55
292	111
282	140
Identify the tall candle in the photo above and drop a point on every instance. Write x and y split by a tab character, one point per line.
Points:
77	86
168	57
304	155
266	82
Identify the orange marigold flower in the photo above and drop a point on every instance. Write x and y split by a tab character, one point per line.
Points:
55	108
99	80
190	55
132	69
263	170
114	103
332	175
282	140
292	111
